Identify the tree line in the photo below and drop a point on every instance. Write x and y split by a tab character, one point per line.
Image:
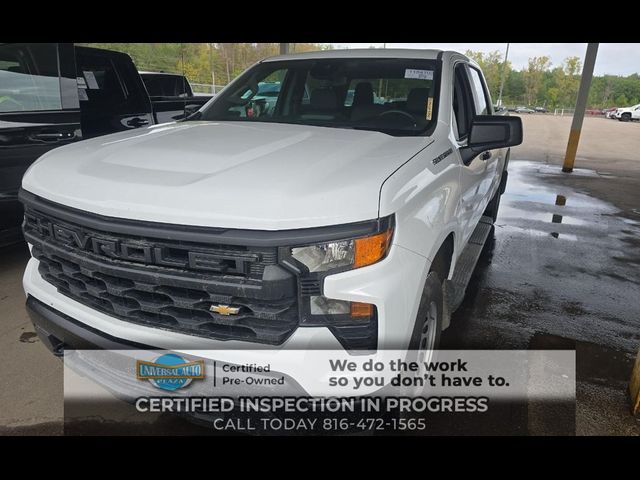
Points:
540	83
206	63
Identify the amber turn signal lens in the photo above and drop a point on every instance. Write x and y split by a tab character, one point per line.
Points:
361	309
372	249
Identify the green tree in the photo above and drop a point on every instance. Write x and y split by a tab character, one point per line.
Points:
534	84
567	80
492	65
533	77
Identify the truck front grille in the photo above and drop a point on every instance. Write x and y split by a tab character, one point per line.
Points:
167	284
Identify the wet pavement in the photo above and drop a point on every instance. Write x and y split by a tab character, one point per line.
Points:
559	262
561	271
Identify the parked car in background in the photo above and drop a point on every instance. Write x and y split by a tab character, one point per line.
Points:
524	110
541	110
626	114
171	95
500	110
53	94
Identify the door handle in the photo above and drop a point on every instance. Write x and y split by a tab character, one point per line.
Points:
137	122
485	156
52	136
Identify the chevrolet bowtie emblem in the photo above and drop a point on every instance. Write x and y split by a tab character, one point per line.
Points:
224	309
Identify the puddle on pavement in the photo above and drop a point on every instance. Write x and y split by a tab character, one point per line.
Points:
628	221
538	208
560	262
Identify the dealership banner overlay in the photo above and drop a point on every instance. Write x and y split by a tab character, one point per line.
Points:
241	391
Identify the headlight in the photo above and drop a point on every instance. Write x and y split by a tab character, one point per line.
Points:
325	256
344	254
354	324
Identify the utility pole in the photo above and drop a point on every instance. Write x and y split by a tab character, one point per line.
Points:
581	106
284	48
503	75
213	73
384	46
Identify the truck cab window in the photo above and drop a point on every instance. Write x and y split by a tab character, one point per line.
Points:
99	80
29	79
160	85
462	108
480	97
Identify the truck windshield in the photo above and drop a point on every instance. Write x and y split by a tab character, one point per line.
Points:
394	96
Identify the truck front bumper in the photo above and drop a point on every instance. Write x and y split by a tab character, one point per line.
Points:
392	285
59	331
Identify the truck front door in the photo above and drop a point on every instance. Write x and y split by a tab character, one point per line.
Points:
39	111
473	173
491	158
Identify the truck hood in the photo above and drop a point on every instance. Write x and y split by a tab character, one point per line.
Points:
226	174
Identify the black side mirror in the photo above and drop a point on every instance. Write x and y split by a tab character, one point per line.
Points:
492	131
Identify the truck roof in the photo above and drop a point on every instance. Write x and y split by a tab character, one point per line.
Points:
361	53
143	72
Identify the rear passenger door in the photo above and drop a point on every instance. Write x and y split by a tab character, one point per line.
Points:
111	93
39	111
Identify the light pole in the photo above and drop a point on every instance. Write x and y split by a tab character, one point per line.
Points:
504	74
581	106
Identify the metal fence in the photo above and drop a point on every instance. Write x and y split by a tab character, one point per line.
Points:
561	112
206	88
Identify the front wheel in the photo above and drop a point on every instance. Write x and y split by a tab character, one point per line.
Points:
425	338
626	117
426	333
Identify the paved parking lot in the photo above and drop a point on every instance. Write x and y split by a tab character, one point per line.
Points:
561	271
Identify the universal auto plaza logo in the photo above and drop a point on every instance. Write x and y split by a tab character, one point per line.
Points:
170	371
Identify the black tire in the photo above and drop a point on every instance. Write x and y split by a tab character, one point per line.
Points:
625	117
432	292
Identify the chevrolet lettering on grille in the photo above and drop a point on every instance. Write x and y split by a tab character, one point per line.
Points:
138	251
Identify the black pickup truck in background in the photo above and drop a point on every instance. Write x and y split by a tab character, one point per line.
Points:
52	94
172	97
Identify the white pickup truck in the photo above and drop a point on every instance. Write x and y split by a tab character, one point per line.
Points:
626	114
319	223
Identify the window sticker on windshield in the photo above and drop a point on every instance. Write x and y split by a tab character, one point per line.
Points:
419	74
91	80
429	108
81	82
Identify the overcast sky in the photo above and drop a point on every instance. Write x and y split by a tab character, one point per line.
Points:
613	58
